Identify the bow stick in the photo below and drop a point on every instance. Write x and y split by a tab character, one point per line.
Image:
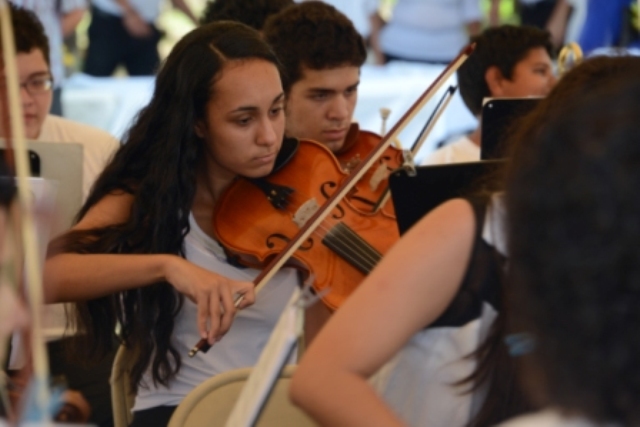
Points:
33	279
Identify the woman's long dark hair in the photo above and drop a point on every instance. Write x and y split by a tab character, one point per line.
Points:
496	369
157	165
573	235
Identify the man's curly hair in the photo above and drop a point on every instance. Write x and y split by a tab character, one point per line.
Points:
253	13
314	35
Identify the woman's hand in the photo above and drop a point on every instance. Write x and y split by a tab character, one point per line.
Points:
215	295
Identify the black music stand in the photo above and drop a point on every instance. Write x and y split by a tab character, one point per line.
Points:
34	161
498	117
414	196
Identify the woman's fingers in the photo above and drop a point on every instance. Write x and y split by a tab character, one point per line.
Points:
213	294
228	312
216	312
246	292
203	305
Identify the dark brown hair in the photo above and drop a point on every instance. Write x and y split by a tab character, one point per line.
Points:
28	31
573	235
314	35
503	47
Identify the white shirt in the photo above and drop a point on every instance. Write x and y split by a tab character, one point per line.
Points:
51	21
147	9
429	30
240	347
358	11
98	148
460	151
98	145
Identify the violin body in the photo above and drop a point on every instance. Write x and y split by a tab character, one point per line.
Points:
338	255
366	193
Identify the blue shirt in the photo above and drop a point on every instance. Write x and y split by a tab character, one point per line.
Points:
604	24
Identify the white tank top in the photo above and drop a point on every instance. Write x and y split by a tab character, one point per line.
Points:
240	347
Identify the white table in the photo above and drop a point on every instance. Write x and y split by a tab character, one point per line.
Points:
112	103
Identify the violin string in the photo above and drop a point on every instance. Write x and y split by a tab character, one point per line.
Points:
362	250
354	249
353	243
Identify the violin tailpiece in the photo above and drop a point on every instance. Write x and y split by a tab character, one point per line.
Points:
278	195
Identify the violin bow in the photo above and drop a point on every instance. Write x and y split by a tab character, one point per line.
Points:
356	174
442	105
33	278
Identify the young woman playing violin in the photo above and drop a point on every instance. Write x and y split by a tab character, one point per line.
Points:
142	253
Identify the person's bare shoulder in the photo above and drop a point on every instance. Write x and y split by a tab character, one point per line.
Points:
114	208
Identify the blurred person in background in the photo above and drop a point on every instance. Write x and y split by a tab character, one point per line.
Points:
253	13
429	31
360	12
610	23
60	19
122	32
551	15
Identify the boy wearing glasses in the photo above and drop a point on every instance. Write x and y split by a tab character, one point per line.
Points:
36	95
34	72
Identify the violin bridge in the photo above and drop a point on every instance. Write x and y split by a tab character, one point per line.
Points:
378	176
305	212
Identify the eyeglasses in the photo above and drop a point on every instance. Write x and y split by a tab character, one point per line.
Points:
37	85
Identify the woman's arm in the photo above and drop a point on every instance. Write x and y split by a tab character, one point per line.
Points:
77	277
410	288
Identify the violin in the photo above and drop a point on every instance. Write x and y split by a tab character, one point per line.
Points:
366	194
313	216
343	250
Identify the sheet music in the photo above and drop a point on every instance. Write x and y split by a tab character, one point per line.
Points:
264	375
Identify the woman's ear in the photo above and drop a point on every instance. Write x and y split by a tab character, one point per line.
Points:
494	79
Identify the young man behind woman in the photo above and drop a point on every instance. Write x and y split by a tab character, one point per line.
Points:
435	304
